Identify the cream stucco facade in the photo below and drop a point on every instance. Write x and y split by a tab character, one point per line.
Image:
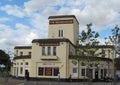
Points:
47	57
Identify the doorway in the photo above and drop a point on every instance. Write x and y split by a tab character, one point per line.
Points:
96	75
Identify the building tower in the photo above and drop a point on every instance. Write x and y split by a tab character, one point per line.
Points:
65	26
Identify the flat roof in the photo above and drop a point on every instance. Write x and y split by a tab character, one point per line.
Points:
23	47
49	40
63	16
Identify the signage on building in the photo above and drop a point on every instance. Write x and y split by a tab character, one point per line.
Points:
48	64
70	21
49	44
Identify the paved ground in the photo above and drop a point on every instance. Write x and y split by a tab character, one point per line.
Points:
11	81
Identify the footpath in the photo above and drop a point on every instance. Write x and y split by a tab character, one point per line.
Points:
11	81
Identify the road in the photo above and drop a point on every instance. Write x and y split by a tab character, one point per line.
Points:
12	81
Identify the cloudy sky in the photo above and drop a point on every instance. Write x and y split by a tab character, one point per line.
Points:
24	20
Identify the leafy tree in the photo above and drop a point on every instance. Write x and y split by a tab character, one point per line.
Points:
114	39
5	60
89	37
87	42
86	50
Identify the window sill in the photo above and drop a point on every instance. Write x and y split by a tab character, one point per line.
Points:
49	58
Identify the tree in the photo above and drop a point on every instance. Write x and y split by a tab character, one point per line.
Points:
86	50
5	60
115	39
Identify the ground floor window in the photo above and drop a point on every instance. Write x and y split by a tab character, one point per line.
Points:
48	71
101	73
40	71
56	71
21	70
83	72
74	70
89	73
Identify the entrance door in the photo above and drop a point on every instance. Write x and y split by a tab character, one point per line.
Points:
96	75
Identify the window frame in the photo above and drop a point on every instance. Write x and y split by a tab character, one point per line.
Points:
54	50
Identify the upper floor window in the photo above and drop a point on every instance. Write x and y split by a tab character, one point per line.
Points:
21	63
49	50
29	53
83	64
16	52
60	33
21	53
21	70
26	63
43	50
54	51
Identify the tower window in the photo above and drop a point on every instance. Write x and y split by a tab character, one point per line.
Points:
60	33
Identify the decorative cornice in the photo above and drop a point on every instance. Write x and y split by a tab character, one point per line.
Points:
22	57
23	47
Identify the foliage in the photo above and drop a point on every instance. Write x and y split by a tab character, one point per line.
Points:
89	38
5	60
87	51
115	39
88	41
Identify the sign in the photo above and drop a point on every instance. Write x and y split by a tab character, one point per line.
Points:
70	21
49	44
47	64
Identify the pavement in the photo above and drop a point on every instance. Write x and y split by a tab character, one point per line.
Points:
11	81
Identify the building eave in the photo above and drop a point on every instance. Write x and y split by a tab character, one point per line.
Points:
63	16
22	57
23	47
55	40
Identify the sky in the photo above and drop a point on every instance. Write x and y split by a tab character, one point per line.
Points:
21	21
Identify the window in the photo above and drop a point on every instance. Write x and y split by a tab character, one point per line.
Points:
29	53
21	70
89	73
17	63
40	71
60	33
43	50
56	71
54	51
101	73
16	52
74	70
83	72
83	64
48	71
21	53
26	63
49	50
21	63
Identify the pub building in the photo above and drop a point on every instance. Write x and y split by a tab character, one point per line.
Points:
48	57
